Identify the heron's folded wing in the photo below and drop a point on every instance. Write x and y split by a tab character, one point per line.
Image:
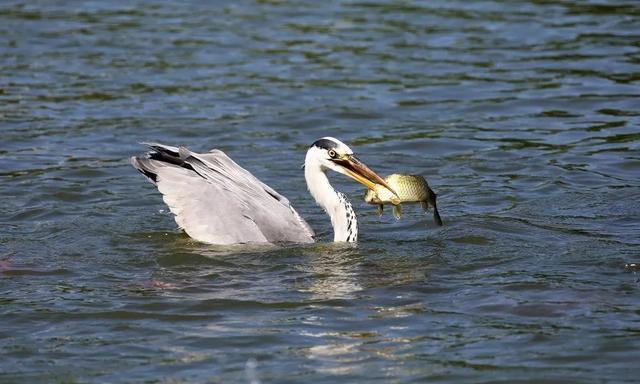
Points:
271	211
217	201
203	214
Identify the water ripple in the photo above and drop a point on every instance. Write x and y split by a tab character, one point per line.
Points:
523	117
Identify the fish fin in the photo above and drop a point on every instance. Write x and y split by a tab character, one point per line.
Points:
397	211
395	200
436	215
425	205
380	209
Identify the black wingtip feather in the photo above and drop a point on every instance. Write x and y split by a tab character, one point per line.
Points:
167	156
152	176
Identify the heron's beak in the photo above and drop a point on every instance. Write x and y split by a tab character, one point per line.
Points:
359	172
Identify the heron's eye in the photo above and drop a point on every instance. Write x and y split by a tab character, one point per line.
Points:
332	154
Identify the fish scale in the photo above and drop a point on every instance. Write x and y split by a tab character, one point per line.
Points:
409	189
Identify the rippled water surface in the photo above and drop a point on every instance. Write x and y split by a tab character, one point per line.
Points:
523	115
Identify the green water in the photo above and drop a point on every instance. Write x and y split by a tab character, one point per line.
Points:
523	115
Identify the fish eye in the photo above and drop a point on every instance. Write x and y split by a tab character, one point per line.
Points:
332	153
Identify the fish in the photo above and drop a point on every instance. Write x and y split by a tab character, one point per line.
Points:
409	189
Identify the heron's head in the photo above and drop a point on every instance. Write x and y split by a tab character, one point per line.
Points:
331	153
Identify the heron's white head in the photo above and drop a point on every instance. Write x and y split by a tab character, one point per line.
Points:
331	153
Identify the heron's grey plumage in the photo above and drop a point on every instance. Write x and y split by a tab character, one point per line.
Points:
216	201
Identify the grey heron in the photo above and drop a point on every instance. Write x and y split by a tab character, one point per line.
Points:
216	201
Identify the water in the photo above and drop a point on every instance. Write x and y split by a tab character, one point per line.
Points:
523	116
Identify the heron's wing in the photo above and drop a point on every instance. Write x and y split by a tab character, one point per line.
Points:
217	201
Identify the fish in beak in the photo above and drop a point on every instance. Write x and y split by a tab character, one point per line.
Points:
359	172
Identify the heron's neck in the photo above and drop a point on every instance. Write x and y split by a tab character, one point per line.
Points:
336	204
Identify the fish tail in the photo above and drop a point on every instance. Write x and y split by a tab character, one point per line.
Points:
436	215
